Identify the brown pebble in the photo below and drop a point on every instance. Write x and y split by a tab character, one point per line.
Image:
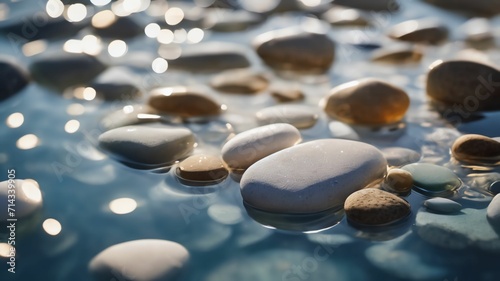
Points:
400	54
398	181
287	94
240	82
183	102
476	149
199	169
419	31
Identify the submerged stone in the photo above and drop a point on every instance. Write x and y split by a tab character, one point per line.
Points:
433	179
201	170
442	205
300	116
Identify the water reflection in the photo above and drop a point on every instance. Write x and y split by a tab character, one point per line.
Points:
5	250
152	30
54	8
76	12
4	11
225	213
117	48
52	227
31	190
174	16
28	141
15	120
34	48
159	65
122	206
103	19
71	126
75	109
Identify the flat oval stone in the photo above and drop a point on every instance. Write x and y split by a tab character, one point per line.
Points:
24	28
311	177
62	70
130	115
476	149
419	31
300	116
250	146
229	20
400	156
442	205
472	85
210	57
345	17
283	94
201	170
372	207
183	102
367	101
118	27
432	179
397	54
140	260
240	82
340	130
482	7
398	181
295	50
493	211
116	83
148	145
13	78
28	198
372	5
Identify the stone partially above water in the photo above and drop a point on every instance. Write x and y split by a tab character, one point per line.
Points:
295	50
442	205
397	54
140	260
372	207
398	181
311	177
419	31
372	5
472	86
12	78
476	149
201	170
432	179
115	26
300	116
148	145
367	101
400	156
116	83
183	102
284	94
493	211
240	82
248	147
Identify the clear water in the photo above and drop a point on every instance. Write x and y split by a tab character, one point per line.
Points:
78	181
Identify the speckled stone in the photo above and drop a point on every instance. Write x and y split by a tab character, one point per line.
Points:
201	170
248	147
432	179
140	260
240	82
295	50
476	149
300	116
148	145
283	94
493	211
398	181
13	78
28	199
473	86
397	55
420	31
183	102
367	101
371	206
311	177
62	70
482	7
400	156
341	16
442	205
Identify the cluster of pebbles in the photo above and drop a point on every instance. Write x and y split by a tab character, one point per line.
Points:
279	172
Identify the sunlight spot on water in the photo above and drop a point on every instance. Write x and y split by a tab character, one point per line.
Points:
15	120
31	190
195	35
28	141
76	12
159	65
52	227
122	206
103	19
174	16
72	126
152	30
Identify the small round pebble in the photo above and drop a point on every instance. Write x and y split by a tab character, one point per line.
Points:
140	260
476	149
400	156
300	116
183	102
372	207
240	81
432	179
367	101
398	180
493	211
201	170
442	205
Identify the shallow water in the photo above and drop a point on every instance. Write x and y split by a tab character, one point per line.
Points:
78	181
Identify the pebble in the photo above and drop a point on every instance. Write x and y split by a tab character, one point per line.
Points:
28	199
300	116
250	146
295	50
119	28
13	78
400	156
397	55
476	149
442	205
398	181
470	229
130	115
345	17
432	179
482	7
148	145
373	5
240	82
419	31
183	102
495	187
311	177
140	260
201	170
228	20
116	83
210	57
372	207
452	82
25	28
62	70
478	30
493	212
284	94
367	101
340	130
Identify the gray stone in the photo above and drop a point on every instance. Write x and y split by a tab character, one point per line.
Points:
442	205
482	7
420	31
240	81
22	29
13	78
433	179
248	147
140	260
120	27
228	20
148	145
495	187
372	5
400	156
493	212
311	177
28	198
116	83
340	130
300	116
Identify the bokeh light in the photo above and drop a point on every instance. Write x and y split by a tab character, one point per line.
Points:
31	190
34	48
76	12
122	206
28	141
165	36
54	8
52	226
152	30
15	120
71	126
195	35
117	48
103	19
174	16
159	65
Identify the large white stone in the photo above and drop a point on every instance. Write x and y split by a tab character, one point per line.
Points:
250	146
148	145
311	177
140	260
